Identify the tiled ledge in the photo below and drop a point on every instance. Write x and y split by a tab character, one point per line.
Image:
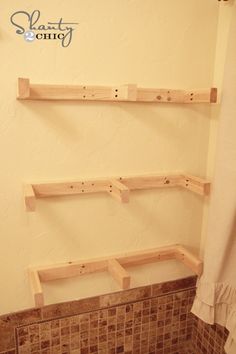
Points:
9	322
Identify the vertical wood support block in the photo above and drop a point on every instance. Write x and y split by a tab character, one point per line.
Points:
187	258
132	92
119	273
196	184
213	95
119	191
23	88
36	288
124	93
30	198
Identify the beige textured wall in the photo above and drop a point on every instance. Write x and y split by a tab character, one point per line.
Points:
154	43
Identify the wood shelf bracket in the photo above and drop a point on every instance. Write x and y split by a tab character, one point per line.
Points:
23	89
118	187
119	191
187	258
119	274
124	93
30	198
114	265
195	184
36	287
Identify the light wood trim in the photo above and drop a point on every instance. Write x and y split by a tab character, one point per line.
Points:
117	187
119	273
119	191
114	264
149	256
30	198
196	184
191	261
53	189
174	96
72	269
124	93
151	181
23	89
132	92
128	92
36	288
57	189
79	268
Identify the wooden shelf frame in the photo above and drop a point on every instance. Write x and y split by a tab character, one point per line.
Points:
126	93
118	188
115	265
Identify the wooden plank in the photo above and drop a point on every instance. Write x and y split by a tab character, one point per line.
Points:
119	191
77	268
82	267
23	88
175	96
54	189
119	274
67	92
132	92
191	261
197	181
72	269
36	288
149	256
196	184
117	187
30	198
126	93
151	181
119	93
112	264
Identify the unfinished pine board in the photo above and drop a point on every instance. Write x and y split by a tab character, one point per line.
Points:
196	184
117	187
114	265
128	93
23	88
30	198
119	274
191	261
119	191
36	287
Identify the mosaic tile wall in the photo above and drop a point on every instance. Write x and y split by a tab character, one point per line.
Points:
146	326
147	320
208	339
